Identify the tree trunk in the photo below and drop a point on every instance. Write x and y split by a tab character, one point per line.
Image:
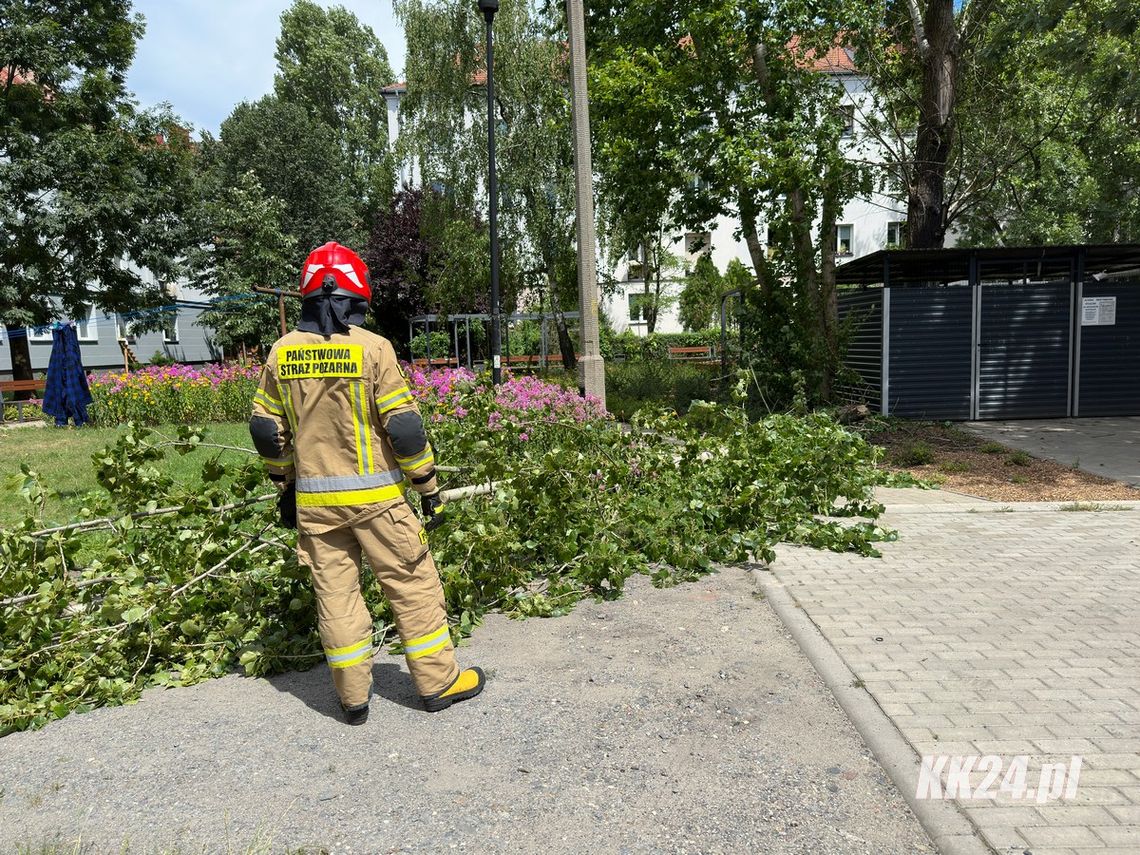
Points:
926	202
827	299
756	250
565	343
21	357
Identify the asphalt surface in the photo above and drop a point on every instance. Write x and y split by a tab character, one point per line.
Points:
675	721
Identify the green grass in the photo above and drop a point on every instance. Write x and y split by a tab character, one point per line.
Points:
1093	506
917	453
62	457
1018	458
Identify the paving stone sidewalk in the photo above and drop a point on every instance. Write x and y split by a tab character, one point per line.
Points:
985	631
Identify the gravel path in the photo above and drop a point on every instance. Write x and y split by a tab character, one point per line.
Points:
683	720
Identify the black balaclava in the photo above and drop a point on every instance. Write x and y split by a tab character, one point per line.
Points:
326	313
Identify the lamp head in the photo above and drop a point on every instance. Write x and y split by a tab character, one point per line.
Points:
488	8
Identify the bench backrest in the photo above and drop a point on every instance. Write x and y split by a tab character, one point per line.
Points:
22	385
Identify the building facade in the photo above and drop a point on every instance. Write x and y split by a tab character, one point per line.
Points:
102	336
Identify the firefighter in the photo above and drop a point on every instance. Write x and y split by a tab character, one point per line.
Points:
341	435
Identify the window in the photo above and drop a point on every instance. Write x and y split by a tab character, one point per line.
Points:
170	333
698	244
123	330
843	240
636	259
699	184
85	327
770	243
42	334
896	234
847	118
638	307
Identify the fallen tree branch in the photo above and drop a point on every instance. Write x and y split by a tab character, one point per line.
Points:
107	521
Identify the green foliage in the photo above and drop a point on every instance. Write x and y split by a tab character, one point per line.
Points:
712	109
700	299
298	160
631	386
917	453
336	68
440	345
1018	458
631	347
244	245
87	182
992	448
132	596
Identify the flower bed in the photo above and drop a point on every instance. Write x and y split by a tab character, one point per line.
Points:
178	394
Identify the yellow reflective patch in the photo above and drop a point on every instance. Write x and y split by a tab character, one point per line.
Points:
347	498
423	536
355	660
314	361
352	648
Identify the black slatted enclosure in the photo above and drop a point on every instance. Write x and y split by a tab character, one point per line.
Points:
1109	367
999	333
929	356
861	318
1023	351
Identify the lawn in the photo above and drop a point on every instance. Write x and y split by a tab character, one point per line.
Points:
62	457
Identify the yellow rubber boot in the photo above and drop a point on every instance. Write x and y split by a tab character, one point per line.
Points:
468	684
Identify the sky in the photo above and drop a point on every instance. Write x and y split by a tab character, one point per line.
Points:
206	56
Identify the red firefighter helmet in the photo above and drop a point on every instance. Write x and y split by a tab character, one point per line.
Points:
336	270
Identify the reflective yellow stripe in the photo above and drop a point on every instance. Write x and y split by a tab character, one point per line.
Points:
407	463
356	430
394	399
426	645
290	413
345	498
352	648
353	660
363	431
284	462
270	403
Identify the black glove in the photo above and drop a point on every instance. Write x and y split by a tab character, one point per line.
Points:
287	506
432	507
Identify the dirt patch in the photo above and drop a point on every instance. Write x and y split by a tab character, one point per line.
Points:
959	461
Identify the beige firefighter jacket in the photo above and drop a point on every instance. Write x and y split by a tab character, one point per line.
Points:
336	416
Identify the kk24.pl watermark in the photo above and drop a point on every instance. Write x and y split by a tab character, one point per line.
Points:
1055	781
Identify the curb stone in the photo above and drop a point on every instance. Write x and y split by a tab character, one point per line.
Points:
950	830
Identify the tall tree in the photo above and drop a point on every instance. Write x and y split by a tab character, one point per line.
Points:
924	65
445	130
90	189
296	159
700	298
726	109
243	244
334	66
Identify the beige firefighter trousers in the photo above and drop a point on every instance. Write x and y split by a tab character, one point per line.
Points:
396	547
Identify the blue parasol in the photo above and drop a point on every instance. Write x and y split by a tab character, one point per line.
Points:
66	395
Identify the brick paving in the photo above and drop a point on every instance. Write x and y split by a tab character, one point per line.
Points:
989	632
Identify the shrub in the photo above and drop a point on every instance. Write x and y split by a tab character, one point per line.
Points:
631	386
441	345
992	448
1018	458
177	394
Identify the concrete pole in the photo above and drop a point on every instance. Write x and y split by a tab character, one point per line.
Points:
591	369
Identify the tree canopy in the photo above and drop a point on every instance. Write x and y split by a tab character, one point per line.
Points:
91	190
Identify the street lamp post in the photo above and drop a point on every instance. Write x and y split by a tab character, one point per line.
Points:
489	8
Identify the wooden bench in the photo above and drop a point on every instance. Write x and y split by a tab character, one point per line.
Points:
434	363
528	360
693	354
19	386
